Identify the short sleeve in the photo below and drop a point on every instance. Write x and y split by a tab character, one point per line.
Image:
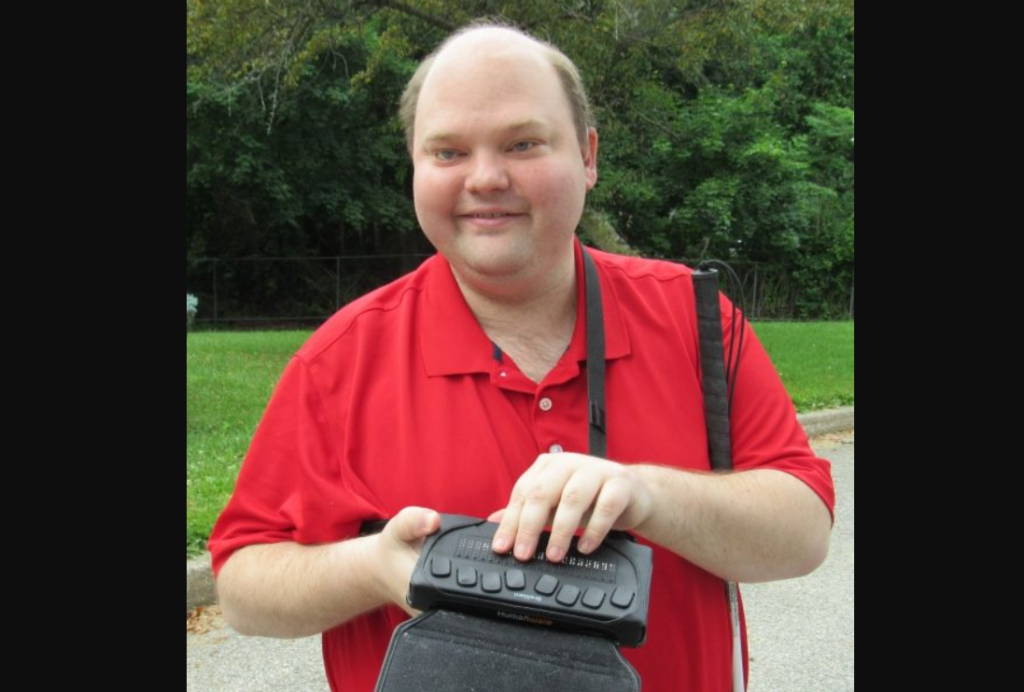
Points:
292	486
764	429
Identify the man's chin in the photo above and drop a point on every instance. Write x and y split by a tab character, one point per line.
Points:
492	261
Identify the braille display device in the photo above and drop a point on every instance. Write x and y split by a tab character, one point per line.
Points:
492	622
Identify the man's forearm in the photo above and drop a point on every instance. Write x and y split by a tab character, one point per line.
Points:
748	526
292	590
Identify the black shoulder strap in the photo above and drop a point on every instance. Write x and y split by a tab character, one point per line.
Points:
595	359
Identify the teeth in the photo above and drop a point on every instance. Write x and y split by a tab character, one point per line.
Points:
488	216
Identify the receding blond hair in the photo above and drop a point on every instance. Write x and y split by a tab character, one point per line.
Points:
572	83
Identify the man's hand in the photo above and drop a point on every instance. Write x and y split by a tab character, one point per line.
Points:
575	490
398	548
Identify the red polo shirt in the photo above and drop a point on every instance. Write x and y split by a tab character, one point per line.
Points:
401	399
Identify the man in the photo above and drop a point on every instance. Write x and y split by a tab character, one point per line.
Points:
461	388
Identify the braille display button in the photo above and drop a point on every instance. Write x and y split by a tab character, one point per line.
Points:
515	579
441	567
492	582
593	598
568	595
547	585
622	598
467	576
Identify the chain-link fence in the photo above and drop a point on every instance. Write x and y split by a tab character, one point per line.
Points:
276	292
772	292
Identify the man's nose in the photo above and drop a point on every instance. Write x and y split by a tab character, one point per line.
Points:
487	173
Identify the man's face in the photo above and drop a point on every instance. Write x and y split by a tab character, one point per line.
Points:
494	133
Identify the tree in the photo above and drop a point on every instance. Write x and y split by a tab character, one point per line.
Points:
726	125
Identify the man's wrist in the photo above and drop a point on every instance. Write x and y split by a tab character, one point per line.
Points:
666	488
374	562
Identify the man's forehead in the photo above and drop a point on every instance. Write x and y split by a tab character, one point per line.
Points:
512	127
490	82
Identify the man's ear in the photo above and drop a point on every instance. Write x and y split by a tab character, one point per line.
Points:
590	158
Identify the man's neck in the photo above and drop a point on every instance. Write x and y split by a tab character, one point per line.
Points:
548	309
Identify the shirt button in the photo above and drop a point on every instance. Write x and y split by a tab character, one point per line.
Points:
556	449
503	374
545	404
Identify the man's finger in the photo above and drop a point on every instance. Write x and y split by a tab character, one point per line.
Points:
577	497
610	505
413	523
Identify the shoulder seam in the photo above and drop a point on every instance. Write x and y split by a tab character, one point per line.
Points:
397	303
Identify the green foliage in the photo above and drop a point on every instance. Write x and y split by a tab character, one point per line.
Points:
726	127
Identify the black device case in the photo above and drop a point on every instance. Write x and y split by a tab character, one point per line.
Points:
458	646
449	651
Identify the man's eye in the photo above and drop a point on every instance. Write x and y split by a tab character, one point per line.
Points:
442	154
518	147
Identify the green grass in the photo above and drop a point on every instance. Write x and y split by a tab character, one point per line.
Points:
814	360
230	377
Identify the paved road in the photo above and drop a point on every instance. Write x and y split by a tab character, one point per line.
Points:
800	631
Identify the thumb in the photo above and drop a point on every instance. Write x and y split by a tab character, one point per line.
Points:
413	523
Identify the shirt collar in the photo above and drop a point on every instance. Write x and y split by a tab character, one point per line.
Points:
454	343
